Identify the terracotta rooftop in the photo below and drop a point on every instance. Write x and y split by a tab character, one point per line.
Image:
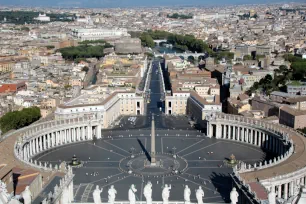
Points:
261	192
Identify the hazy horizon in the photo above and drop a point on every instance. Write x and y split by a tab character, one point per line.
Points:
131	3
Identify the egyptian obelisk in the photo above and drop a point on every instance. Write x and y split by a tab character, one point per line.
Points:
153	159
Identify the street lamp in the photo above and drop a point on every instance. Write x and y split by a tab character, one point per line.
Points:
132	151
173	150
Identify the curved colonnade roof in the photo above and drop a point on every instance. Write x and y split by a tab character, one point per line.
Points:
8	160
295	162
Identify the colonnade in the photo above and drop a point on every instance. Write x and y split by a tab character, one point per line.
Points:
289	188
50	139
253	136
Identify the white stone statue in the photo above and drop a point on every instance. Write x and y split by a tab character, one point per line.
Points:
271	196
96	195
234	196
112	194
27	196
166	194
132	196
187	193
200	195
4	195
65	195
147	192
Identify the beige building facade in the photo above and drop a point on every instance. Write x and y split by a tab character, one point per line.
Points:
118	103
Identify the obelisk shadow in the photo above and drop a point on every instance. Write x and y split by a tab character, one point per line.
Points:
144	150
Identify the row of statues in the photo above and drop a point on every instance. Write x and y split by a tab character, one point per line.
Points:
147	192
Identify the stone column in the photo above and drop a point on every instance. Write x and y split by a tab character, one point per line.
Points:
36	145
255	137
31	148
28	150
59	137
291	188
65	136
89	130
24	152
251	137
80	133
83	133
48	140
77	136
235	130
218	130
224	131
45	142
242	134
229	132
73	134
53	139
239	133
99	131
286	191
68	134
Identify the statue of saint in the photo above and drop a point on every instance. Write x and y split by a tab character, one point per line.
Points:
65	195
132	196
271	196
27	196
3	192
234	196
187	193
147	192
166	194
96	195
112	194
200	195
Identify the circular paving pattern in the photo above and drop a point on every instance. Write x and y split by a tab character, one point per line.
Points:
199	162
166	165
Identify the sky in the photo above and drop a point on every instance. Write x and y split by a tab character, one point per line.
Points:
131	3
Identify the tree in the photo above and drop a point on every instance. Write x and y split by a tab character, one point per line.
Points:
247	57
50	47
19	119
85	69
147	40
83	51
27	29
67	86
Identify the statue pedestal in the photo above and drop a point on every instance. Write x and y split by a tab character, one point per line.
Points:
152	164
